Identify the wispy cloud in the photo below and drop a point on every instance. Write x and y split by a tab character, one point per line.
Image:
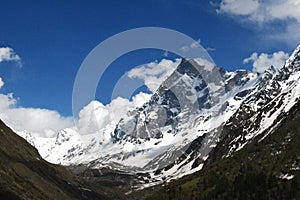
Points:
239	7
262	11
265	14
194	45
210	49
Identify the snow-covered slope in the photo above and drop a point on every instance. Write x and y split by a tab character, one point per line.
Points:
269	103
199	112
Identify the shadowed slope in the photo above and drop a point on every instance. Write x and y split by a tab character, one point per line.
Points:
25	175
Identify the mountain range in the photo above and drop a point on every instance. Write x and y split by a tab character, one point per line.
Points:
201	118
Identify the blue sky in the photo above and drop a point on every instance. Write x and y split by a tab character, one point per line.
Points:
52	38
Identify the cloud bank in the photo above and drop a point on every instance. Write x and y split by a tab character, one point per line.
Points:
40	122
47	123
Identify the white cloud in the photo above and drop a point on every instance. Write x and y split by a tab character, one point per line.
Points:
139	99
263	61
1	83
264	12
92	118
8	54
154	73
239	7
41	122
96	116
